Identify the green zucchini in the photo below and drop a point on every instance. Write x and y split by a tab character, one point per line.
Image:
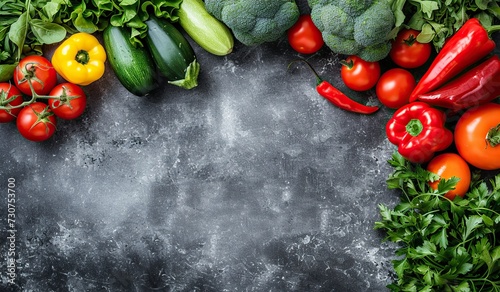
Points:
133	66
206	30
173	55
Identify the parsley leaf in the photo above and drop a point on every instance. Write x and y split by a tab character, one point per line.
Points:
444	245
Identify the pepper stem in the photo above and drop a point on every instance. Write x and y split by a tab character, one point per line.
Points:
318	79
493	136
82	57
492	28
414	127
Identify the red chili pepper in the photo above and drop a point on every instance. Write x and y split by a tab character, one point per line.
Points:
338	98
419	131
477	86
341	100
468	45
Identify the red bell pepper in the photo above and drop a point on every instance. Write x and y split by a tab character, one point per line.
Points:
419	131
467	46
477	86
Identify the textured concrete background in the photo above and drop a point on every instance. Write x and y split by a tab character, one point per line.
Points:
249	182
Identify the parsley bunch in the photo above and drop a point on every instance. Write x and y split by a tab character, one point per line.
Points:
444	245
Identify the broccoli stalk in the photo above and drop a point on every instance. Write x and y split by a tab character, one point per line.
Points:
254	22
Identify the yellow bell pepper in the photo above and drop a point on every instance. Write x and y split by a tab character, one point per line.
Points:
80	59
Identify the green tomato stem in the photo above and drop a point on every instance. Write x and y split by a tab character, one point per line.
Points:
493	136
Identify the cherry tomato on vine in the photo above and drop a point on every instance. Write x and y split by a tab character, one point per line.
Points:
448	165
394	87
358	74
477	136
407	52
70	101
36	122
39	71
304	37
9	95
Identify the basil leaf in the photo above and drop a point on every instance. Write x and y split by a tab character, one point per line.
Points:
18	31
482	4
47	32
51	10
7	71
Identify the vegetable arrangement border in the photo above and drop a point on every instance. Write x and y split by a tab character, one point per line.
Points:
448	220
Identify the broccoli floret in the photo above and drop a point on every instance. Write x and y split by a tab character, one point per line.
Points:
375	53
323	19
341	44
354	7
254	22
367	31
355	27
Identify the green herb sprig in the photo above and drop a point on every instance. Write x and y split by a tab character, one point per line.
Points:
444	245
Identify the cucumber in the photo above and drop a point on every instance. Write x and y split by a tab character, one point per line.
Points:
206	30
173	55
133	66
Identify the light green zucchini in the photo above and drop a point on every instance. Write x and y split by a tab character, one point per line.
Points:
206	30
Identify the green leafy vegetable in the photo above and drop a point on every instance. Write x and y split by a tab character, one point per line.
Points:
25	26
438	19
47	32
444	245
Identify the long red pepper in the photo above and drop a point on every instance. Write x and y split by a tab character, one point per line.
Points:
338	98
341	100
468	45
477	86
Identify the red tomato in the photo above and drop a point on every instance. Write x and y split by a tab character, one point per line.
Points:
475	135
407	52
71	101
394	87
450	165
8	91
36	122
304	36
39	71
358	74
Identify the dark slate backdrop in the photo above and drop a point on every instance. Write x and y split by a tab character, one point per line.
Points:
249	182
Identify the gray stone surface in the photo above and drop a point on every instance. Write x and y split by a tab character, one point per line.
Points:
249	182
